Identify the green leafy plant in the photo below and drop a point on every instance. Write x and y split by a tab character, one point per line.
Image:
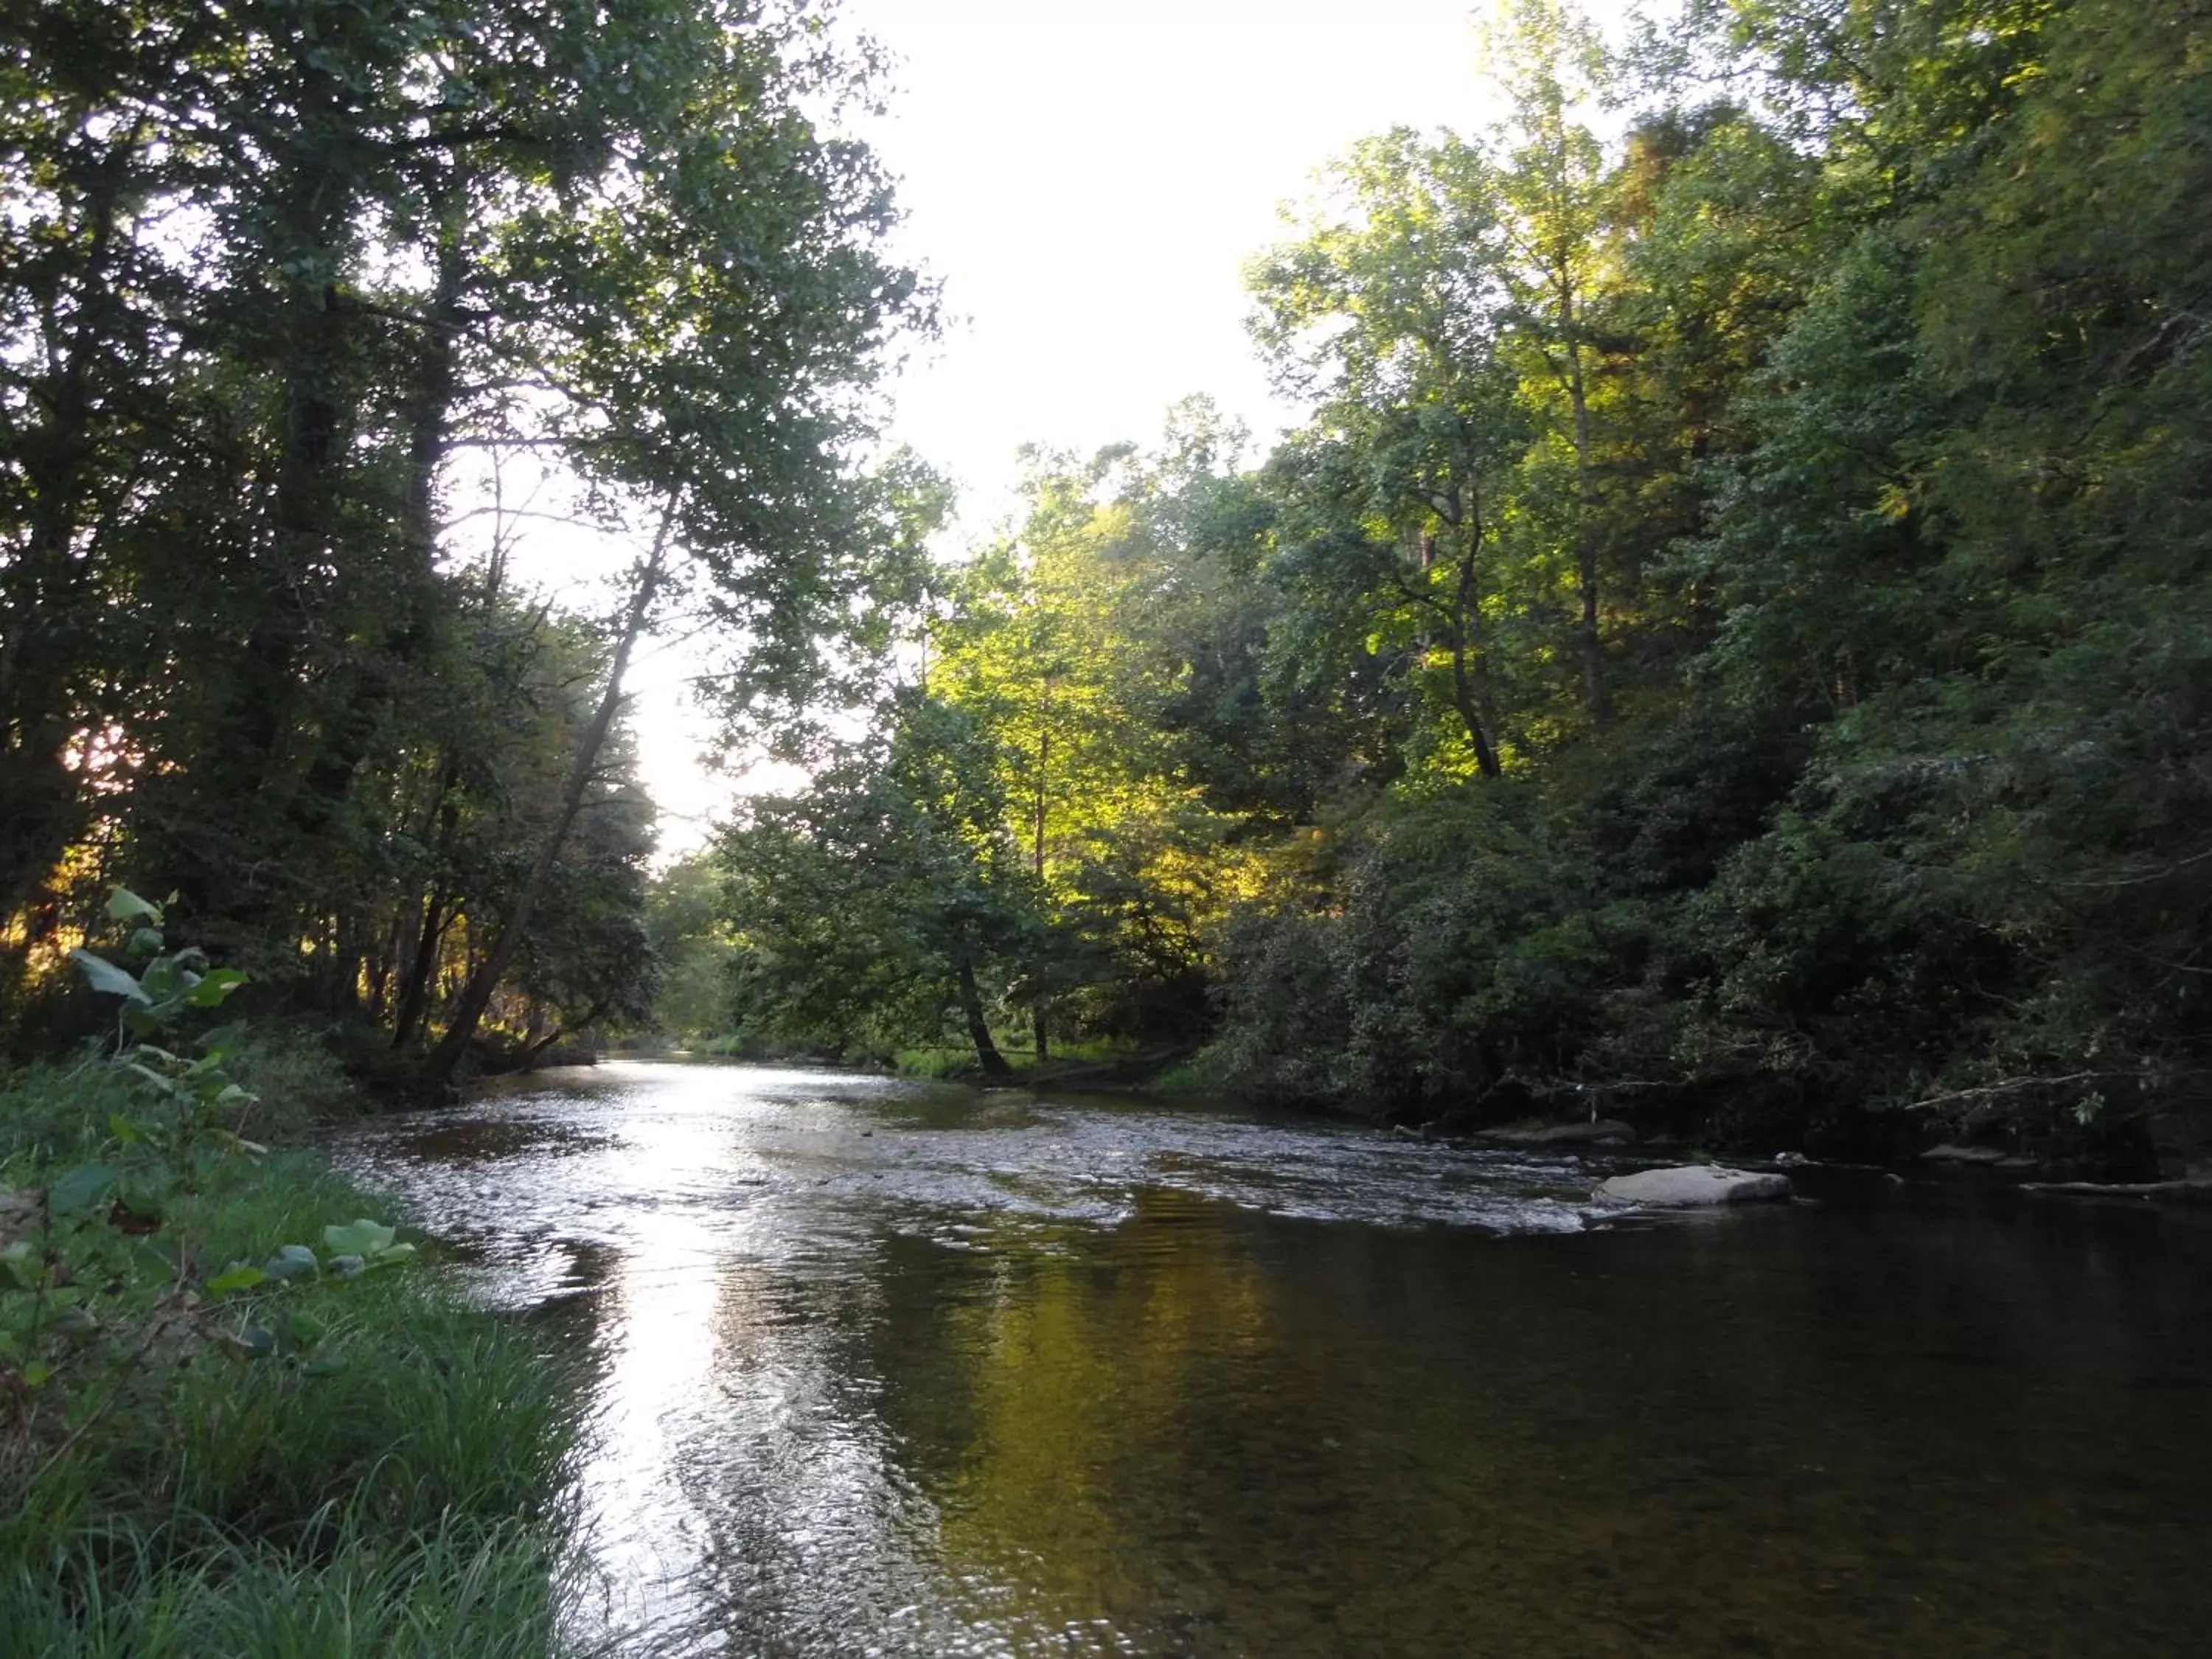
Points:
190	1095
171	982
114	1271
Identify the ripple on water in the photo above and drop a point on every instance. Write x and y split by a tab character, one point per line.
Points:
893	1369
589	1161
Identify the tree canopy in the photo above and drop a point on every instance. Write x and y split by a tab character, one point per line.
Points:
1728	643
287	293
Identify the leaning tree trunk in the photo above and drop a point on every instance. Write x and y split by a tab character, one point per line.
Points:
979	1030
1466	665
476	995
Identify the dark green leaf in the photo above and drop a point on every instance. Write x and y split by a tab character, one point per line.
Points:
80	1189
292	1261
305	1330
124	905
158	1258
20	1266
106	977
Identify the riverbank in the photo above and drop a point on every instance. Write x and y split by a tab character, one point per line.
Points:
234	1419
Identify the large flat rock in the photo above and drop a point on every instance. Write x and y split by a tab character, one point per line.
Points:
1950	1154
1689	1185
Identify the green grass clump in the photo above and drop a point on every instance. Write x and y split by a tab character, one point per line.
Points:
1190	1078
958	1061
390	1474
457	1588
934	1063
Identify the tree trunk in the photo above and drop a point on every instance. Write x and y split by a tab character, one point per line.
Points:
1470	713
437	380
424	931
476	995
560	1030
979	1032
45	607
414	989
1466	644
1593	660
1038	1020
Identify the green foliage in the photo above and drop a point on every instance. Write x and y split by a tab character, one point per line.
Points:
1731	644
460	1588
289	297
209	1445
119	1265
694	950
1906	812
1019	837
870	906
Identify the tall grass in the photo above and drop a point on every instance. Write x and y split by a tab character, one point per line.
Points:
460	1588
411	1498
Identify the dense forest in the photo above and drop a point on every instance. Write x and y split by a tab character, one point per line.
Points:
1731	644
1730	647
308	314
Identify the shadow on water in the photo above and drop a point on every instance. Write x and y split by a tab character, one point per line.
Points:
900	1369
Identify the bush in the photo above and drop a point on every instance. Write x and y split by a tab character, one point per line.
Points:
234	1417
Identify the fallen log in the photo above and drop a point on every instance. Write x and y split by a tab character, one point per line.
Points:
2121	1189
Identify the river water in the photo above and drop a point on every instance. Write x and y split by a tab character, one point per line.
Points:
893	1369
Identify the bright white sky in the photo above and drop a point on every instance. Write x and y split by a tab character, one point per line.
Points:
1086	179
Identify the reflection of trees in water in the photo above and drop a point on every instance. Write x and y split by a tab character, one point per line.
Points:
1216	1432
1155	1430
1870	1426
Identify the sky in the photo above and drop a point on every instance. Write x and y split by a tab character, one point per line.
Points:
1086	182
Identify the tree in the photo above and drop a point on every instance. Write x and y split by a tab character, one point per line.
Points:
1551	63
693	948
880	899
288	278
1390	314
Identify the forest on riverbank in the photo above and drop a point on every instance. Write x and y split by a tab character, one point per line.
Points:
1731	647
310	314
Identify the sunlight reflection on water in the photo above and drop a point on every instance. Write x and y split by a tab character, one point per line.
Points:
906	1370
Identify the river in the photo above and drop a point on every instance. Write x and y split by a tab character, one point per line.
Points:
885	1368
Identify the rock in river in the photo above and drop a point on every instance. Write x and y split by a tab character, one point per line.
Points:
1538	1132
1691	1185
1950	1154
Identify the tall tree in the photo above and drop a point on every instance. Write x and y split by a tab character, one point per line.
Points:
1553	67
291	275
1390	314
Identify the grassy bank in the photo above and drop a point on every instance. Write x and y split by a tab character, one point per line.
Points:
232	1421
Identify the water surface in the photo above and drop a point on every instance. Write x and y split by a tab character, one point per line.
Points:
888	1369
